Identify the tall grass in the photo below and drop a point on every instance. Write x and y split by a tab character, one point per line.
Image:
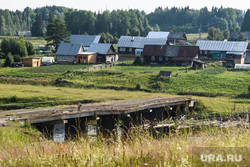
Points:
137	149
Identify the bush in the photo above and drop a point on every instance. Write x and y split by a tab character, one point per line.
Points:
9	61
138	87
137	61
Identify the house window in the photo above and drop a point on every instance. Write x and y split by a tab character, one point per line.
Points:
205	52
121	49
130	49
160	58
201	52
124	49
153	58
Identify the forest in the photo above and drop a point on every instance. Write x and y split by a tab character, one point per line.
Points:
120	22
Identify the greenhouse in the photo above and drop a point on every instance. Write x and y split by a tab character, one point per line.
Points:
242	66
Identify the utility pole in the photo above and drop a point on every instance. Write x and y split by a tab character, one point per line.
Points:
200	32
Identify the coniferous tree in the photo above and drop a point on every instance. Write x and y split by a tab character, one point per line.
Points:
37	28
246	22
56	33
241	37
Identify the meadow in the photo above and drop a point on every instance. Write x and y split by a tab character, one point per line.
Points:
21	145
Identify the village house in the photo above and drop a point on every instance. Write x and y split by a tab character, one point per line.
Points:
31	61
230	51
67	52
170	55
154	54
105	52
130	45
177	38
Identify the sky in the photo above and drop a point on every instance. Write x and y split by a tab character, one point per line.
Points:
101	5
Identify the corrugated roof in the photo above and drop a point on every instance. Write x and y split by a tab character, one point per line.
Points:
177	35
172	51
222	46
69	49
100	48
153	34
139	42
86	40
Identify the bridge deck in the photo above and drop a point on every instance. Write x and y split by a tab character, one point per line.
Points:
105	108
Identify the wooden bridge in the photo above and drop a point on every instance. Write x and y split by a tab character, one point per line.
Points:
105	116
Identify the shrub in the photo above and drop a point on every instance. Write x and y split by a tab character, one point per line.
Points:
9	61
138	86
137	61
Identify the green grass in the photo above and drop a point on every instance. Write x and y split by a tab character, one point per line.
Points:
214	80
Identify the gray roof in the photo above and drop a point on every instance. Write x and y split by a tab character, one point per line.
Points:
222	46
153	34
139	42
69	49
246	35
172	51
86	40
100	48
177	35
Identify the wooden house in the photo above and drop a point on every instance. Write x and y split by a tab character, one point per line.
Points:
170	55
105	52
31	62
67	52
130	45
154	54
177	38
186	55
222	50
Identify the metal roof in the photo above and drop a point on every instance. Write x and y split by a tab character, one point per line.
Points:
222	46
172	51
69	49
153	34
86	40
139	42
100	48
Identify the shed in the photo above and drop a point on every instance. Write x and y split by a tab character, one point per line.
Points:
165	74
86	58
31	62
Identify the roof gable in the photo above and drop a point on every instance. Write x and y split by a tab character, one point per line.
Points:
69	49
222	45
101	48
172	51
177	35
86	40
154	50
153	34
187	53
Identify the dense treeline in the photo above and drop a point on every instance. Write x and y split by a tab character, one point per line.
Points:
191	20
120	22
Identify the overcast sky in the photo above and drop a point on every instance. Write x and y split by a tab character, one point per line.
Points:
101	5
